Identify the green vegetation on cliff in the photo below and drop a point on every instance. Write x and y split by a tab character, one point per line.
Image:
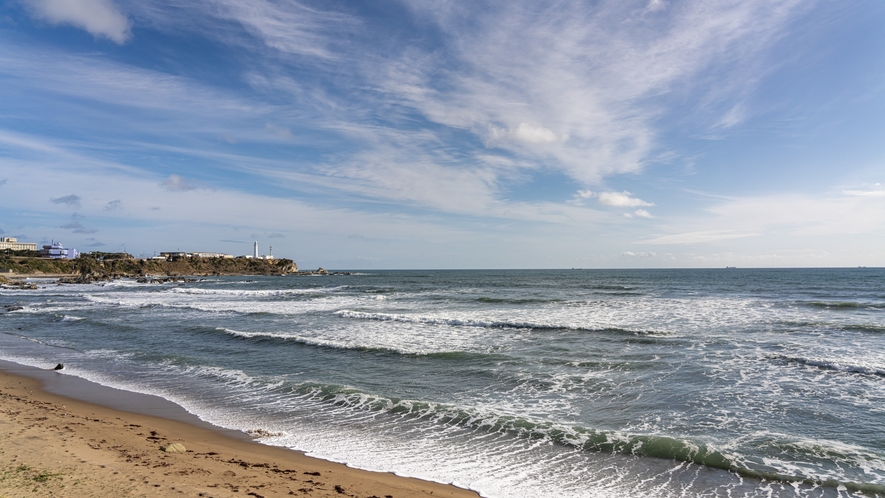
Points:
89	265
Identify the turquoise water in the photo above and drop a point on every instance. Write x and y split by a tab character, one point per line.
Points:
513	383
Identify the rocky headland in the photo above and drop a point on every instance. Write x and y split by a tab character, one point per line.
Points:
87	270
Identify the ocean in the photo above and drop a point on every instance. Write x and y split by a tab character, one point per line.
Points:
517	383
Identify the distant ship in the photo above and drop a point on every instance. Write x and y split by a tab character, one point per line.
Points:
730	267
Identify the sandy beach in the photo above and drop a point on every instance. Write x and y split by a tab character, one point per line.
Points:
57	446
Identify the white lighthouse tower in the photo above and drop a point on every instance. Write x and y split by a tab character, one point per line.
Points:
255	249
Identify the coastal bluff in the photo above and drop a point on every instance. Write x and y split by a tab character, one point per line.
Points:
85	268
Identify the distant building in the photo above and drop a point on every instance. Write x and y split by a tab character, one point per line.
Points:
268	256
210	255
255	249
57	251
174	256
13	244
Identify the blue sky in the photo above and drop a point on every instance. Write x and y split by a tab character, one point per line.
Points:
437	134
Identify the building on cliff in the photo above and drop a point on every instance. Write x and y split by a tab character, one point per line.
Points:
58	251
13	244
210	255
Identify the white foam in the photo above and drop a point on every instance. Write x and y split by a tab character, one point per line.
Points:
254	293
382	337
222	303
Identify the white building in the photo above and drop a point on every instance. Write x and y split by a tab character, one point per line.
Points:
57	251
13	244
210	255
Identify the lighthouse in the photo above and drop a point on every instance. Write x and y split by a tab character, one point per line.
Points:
255	249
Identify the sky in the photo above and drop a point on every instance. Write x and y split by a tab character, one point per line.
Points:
442	134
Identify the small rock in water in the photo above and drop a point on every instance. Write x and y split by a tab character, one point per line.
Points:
59	367
174	448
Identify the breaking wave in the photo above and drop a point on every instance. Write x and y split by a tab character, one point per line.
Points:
494	324
831	365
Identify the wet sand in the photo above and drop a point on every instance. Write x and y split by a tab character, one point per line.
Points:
61	436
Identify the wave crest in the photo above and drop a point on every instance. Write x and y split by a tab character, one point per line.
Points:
831	365
494	324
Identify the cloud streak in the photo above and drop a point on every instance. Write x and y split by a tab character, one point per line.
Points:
566	87
70	200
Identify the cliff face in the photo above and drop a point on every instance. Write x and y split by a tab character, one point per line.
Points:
138	267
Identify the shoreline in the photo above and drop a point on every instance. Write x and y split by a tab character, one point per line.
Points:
69	437
69	278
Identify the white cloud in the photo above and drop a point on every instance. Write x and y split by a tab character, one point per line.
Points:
526	132
797	214
101	18
534	133
621	199
699	237
593	73
784	215
175	183
642	213
643	254
655	5
865	193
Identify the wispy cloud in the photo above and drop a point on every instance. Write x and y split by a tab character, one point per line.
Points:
699	237
98	80
641	254
70	200
459	119
792	215
578	93
76	226
875	191
585	75
290	27
175	183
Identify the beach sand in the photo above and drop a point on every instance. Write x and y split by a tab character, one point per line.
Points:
57	446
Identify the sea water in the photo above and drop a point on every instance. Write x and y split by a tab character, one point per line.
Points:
596	383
